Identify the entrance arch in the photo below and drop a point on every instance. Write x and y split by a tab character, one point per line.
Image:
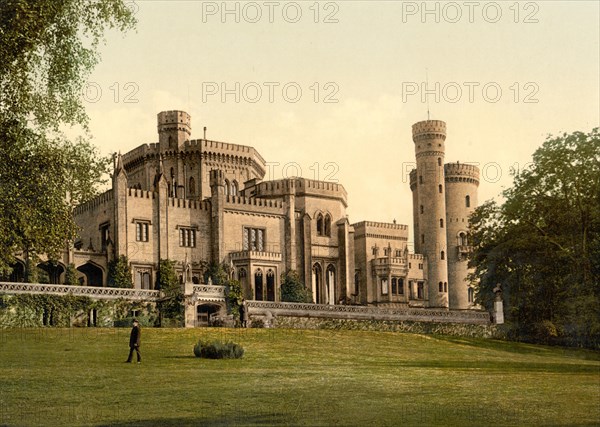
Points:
94	276
204	313
53	272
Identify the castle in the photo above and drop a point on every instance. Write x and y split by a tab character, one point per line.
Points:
199	201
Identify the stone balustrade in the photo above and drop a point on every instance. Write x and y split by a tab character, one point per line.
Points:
89	291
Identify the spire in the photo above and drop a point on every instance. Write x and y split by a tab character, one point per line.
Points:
119	165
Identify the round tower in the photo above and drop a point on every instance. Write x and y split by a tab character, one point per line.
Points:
174	128
415	199
429	137
462	181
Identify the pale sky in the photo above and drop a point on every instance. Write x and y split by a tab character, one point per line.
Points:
373	62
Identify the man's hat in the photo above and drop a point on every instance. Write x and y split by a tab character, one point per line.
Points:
135	321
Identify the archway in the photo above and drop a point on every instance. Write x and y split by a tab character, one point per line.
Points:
270	285
93	274
317	279
17	274
330	284
51	272
258	285
204	313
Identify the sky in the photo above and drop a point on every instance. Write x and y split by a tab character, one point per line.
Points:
330	90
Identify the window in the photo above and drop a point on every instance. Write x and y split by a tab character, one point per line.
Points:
445	286
468	201
442	255
170	141
439	161
471	295
356	283
384	286
440	188
400	286
270	285
187	237
419	290
462	239
386	251
421	208
441	223
227	188
192	187
104	235
319	225
420	266
327	226
254	239
420	179
440	287
141	231
394	286
422	238
374	250
398	253
234	188
142	278
258	285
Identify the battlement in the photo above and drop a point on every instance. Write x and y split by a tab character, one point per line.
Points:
301	187
416	256
189	204
253	201
174	118
381	225
101	199
429	129
461	172
141	194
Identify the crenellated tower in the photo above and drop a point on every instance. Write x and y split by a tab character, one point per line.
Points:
462	181
174	129
429	138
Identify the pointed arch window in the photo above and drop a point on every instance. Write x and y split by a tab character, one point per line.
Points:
327	225
258	285
320	225
227	189
234	188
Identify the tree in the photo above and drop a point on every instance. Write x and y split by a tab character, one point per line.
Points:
171	302
543	244
71	275
119	273
292	288
44	63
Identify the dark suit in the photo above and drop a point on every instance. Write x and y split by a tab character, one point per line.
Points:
134	343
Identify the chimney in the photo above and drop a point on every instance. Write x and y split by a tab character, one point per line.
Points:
205	133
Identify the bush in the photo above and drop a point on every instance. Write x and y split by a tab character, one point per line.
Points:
218	350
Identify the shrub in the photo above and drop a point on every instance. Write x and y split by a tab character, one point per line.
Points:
292	288
218	350
257	323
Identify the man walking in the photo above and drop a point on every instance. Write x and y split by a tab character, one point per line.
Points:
134	342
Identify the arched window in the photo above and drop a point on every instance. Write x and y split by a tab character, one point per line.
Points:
422	209
258	285
317	278
445	286
270	285
327	226
440	188
227	188
234	188
192	187
462	239
319	225
394	286
330	291
420	179
442	255
441	223
172	174
170	141
468	201
439	161
470	295
440	287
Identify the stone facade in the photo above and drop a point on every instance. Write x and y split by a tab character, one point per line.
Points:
201	201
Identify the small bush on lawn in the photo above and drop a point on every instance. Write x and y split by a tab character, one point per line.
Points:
218	350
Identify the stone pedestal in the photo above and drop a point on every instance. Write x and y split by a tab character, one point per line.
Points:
498	312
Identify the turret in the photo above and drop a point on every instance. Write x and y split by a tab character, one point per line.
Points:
462	181
174	128
430	208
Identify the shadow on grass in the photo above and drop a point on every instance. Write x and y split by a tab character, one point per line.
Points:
521	348
504	366
224	420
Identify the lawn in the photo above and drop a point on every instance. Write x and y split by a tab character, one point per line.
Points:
291	377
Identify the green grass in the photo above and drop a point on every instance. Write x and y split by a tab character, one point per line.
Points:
291	377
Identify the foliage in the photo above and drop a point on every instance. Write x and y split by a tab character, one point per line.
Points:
119	273
235	297
47	50
218	350
171	303
292	288
218	273
32	310
71	275
543	245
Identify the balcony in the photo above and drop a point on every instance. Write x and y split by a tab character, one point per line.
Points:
384	265
256	256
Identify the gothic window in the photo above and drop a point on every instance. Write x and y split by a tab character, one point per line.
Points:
319	225
440	188
441	223
398	253
468	201
400	286
227	188
462	239
104	235
439	161
394	286
170	141
386	251
141	231
384	286
254	239
419	290
234	188
375	250
270	285
187	237
471	295
142	278
258	285
192	186
327	226
442	255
